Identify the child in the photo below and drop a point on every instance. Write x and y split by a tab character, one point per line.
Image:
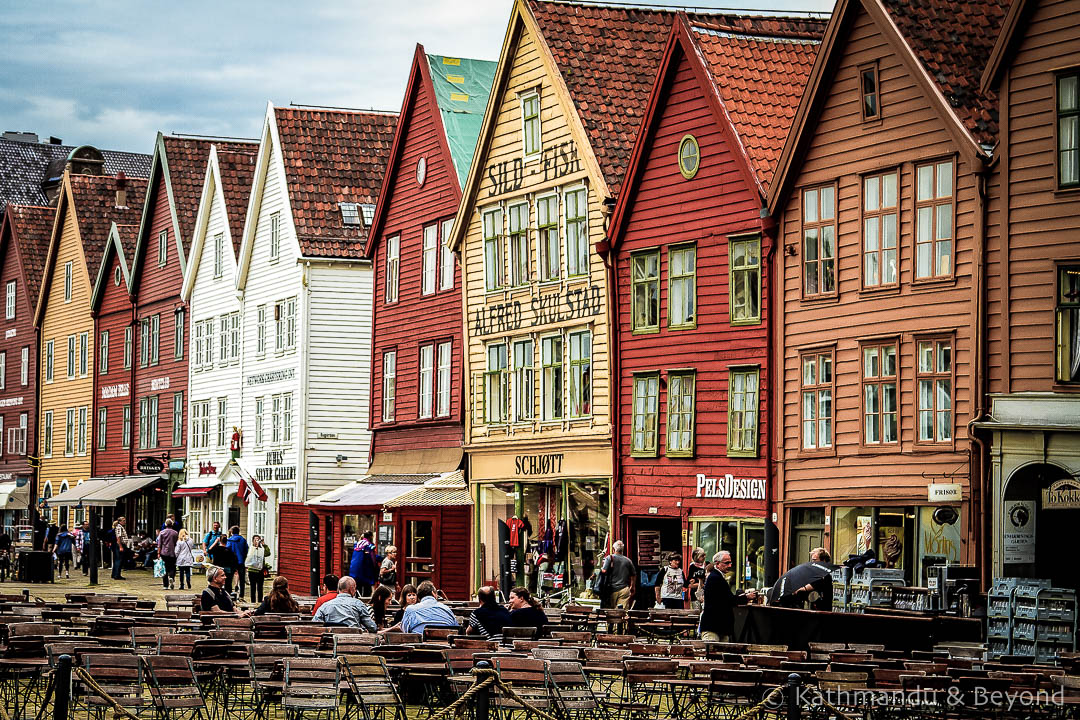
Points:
670	589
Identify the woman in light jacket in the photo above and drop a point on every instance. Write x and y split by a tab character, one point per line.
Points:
185	557
255	564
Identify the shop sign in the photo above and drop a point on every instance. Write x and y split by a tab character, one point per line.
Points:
1062	495
115	391
159	383
271	377
556	161
277	471
150	466
729	487
549	464
11	401
1019	531
7	476
943	492
546	309
10	333
207	468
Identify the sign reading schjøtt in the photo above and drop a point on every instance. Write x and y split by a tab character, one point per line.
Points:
730	487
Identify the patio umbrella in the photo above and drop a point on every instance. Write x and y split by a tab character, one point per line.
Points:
809	573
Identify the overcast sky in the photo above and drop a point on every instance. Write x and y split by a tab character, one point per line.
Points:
112	73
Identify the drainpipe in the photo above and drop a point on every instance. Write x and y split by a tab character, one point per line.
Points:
769	229
604	250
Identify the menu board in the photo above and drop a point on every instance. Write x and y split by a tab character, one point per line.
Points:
648	547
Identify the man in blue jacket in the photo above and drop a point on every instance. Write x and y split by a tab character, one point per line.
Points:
239	546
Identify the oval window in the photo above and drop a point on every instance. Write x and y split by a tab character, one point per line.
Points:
689	156
421	171
116	276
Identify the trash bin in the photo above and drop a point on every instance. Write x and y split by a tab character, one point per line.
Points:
35	566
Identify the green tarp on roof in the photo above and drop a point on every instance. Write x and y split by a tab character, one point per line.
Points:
462	87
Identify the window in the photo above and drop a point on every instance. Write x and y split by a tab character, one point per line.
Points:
819	241
71	357
393	264
580	374
880	230
745	281
260	330
84	354
645	291
103	426
148	422
200	424
84	429
162	248
547	227
871	103
275	236
530	123
49	355
524	381
219	254
743	412
428	259
234	337
446	271
427	378
16	436
350	213
24	366
129	334
223	339
149	340
934	370
1068	129
495	384
494	271
817	395
67	281
933	220
208	340
442	392
9	301
879	397
689	156
682	287
680	415
551	358
125	437
518	220
200	346
646	400
47	433
222	422
258	517
1068	324
260	408
103	353
275	419
285	325
3	370
577	233
178	333
286	423
178	419
389	385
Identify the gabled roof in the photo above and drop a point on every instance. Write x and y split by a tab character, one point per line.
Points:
92	199
944	44
1016	20
235	166
460	88
29	226
331	157
24	165
121	243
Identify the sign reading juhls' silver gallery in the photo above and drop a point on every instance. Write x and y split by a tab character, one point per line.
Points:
730	487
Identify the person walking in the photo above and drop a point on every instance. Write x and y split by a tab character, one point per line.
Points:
255	564
388	568
65	541
239	546
363	566
185	557
620	576
211	535
166	548
669	591
717	622
222	556
695	577
120	547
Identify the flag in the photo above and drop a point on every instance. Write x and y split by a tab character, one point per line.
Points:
257	489
243	491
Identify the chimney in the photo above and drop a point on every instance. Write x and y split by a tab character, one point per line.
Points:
26	137
121	191
53	140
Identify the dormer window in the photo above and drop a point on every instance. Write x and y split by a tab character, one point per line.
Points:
870	98
350	213
367	212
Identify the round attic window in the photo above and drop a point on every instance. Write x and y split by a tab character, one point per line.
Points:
689	156
116	276
421	171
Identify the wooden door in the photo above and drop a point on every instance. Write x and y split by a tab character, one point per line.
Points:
806	539
420	549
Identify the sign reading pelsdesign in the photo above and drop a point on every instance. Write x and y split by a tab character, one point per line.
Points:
730	487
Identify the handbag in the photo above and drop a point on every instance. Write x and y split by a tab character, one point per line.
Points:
159	568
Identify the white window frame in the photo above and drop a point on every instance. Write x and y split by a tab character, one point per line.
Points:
9	300
275	236
447	261
163	248
260	408
24	366
129	340
234	337
103	427
389	385
103	353
275	419
125	430
67	281
260	330
393	268
3	369
178	419
444	358
286	418
219	255
222	422
429	256
426	381
178	333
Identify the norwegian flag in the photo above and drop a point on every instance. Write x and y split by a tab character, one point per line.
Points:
257	489
243	491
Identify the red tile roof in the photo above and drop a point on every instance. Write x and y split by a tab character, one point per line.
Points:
32	226
608	58
128	235
760	78
95	209
332	156
953	40
237	166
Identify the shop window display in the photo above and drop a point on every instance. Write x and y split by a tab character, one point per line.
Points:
744	539
888	531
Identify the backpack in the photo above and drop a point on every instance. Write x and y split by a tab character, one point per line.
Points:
109	536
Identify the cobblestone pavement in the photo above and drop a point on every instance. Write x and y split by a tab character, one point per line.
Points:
140	583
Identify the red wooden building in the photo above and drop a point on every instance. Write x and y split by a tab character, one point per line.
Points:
689	254
24	239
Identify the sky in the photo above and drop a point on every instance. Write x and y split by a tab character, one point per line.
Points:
112	73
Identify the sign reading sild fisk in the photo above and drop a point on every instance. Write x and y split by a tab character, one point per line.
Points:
543	309
730	487
1062	495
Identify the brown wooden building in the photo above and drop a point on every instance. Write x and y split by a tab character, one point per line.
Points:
880	193
690	256
1030	422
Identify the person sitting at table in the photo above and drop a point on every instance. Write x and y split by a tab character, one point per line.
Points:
427	612
346	609
380	602
489	619
525	610
329	591
214	598
279	600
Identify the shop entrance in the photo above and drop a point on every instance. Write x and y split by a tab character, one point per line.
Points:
807	533
1040	524
649	540
419	550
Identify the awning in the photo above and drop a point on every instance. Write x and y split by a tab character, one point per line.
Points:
443	491
422	461
14	497
196	489
364	492
102	492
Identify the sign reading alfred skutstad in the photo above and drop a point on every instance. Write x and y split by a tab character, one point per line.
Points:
729	487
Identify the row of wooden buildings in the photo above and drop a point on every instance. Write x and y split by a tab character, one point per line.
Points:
750	283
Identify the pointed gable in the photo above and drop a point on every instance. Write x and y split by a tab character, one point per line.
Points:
121	246
331	157
94	204
236	165
461	87
29	227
